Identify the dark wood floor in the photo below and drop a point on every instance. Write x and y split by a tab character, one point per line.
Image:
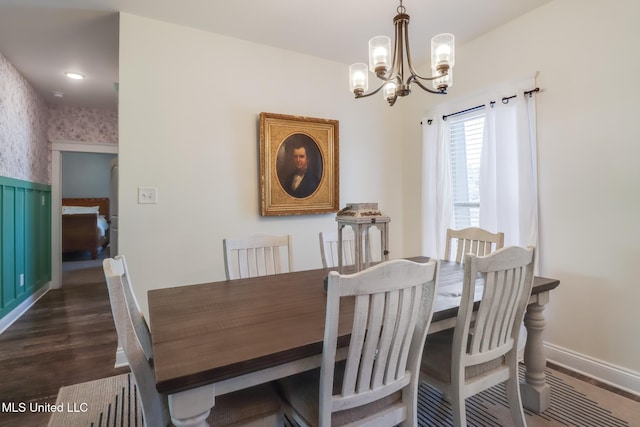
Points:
67	337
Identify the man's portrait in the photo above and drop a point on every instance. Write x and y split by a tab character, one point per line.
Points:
299	171
299	165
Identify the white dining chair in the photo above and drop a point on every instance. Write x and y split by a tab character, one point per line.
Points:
141	328
479	242
472	240
329	247
257	255
243	407
481	351
378	383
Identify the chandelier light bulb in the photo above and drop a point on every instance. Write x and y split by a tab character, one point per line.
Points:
380	56
443	82
379	48
442	50
358	78
389	90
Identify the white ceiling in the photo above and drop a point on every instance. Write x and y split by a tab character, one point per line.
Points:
44	38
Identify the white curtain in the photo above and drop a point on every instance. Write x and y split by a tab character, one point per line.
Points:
437	203
508	170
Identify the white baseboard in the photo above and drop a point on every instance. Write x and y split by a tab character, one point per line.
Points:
621	378
121	359
22	308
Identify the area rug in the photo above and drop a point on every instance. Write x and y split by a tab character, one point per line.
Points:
573	403
111	401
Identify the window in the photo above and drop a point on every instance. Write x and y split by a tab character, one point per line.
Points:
465	139
462	186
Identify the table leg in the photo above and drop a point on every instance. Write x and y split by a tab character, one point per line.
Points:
535	392
191	408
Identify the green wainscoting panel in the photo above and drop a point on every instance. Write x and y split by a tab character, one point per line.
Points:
25	240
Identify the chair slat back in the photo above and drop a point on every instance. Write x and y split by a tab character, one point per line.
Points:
472	240
125	316
508	278
258	255
329	247
393	309
118	264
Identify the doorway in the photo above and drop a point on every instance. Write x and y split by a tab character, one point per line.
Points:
86	175
57	150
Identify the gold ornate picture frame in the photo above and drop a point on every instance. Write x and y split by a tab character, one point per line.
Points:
299	171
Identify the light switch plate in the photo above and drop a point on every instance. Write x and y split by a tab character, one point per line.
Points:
147	195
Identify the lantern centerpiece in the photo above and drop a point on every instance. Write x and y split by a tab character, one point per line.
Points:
361	217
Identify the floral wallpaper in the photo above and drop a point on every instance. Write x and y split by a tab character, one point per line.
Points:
25	152
27	126
83	124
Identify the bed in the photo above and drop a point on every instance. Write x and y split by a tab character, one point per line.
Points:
85	224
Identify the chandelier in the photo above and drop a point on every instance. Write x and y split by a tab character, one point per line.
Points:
391	69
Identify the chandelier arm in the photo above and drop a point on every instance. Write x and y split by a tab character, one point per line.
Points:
396	63
414	74
391	77
364	95
409	61
437	92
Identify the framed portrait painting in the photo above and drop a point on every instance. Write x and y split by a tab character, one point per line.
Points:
299	171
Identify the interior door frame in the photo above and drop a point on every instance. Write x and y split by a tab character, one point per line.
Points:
57	148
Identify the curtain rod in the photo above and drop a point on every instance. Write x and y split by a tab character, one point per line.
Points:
505	100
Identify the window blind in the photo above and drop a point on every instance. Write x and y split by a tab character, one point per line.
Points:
465	139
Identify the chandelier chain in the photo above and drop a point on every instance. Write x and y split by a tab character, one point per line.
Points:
401	8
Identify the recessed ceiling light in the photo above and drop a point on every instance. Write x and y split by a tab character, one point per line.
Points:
74	76
58	94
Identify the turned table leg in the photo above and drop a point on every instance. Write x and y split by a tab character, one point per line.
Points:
535	392
192	407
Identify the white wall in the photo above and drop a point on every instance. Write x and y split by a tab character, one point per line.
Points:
588	166
189	104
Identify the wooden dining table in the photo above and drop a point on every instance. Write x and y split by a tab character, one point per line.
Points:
213	338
